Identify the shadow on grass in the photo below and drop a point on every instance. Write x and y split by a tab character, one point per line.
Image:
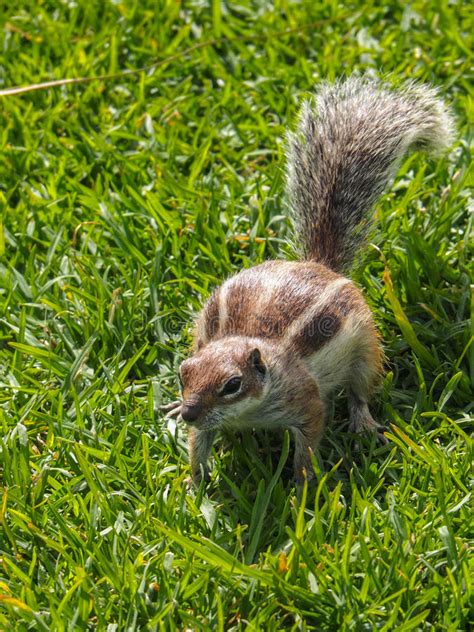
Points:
246	487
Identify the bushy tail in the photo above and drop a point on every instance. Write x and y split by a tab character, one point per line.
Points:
350	139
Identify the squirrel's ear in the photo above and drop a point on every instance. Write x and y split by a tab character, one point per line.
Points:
257	361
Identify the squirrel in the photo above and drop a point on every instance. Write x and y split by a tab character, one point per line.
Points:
275	342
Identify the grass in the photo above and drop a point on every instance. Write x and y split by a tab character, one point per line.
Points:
123	204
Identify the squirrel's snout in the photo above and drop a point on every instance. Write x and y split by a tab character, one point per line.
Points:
191	412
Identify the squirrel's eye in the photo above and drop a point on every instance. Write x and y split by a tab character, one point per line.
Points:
231	386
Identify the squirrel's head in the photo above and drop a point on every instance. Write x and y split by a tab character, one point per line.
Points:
222	382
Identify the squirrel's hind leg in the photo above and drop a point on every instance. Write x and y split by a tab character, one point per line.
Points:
362	421
364	378
359	415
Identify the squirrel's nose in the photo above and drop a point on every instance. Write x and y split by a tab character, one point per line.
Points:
190	412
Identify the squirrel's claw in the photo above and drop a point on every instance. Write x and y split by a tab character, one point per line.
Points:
365	424
378	431
166	407
172	410
174	414
381	430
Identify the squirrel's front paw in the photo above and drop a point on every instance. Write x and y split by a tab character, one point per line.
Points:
172	410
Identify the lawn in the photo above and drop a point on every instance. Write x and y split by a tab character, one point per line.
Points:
123	203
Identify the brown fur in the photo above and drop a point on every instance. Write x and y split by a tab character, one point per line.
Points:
292	288
275	342
211	317
327	320
317	332
288	312
205	373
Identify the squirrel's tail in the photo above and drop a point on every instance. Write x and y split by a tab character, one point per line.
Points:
349	141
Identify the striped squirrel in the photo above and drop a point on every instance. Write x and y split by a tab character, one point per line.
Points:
276	341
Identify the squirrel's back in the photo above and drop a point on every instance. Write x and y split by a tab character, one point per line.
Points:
350	139
300	305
